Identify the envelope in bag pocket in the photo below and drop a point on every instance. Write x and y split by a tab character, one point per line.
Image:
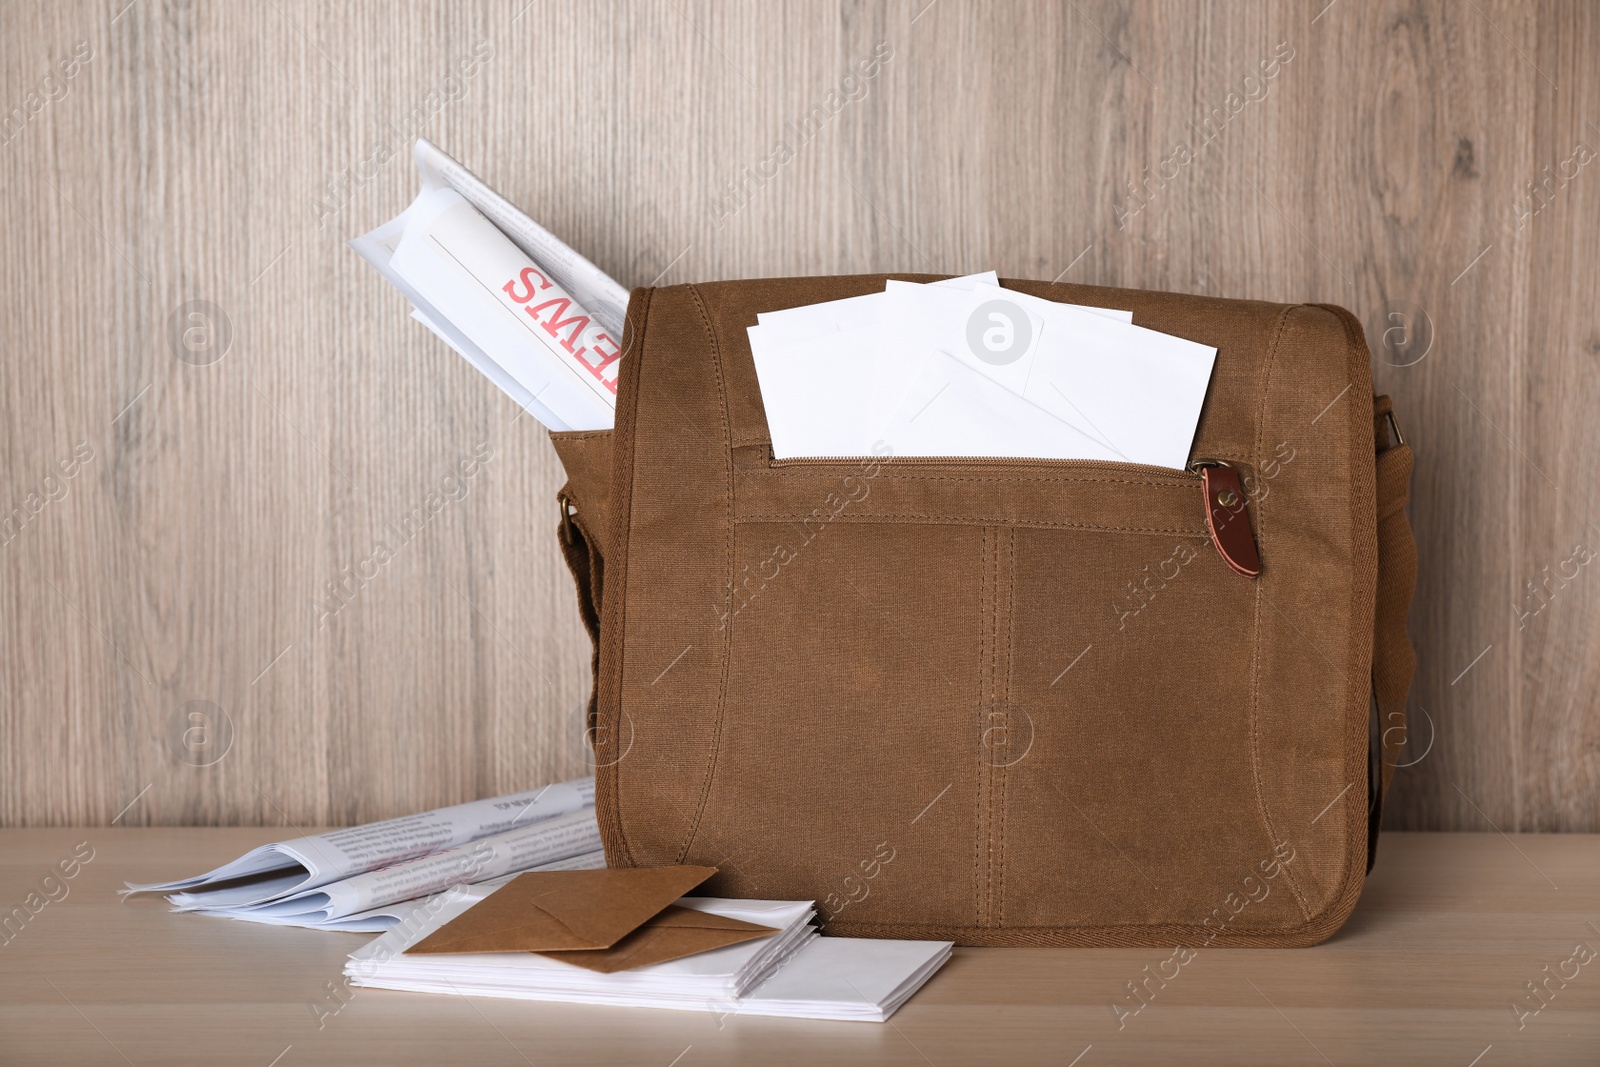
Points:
564	911
952	410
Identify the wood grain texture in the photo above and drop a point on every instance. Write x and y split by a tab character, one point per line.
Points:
225	152
1427	971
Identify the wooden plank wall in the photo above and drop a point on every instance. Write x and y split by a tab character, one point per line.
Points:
180	502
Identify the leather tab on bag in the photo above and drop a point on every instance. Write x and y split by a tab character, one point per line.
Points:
1228	519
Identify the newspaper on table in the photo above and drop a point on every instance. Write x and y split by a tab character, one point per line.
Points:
388	916
273	872
531	314
522	849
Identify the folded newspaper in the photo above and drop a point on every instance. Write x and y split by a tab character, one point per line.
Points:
368	877
531	314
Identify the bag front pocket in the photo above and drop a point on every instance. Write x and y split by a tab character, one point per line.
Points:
1023	691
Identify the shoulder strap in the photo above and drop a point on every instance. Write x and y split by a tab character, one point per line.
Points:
1393	660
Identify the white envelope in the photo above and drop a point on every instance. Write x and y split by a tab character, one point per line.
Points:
1085	382
991	287
1137	391
814	320
995	336
952	410
830	399
1042	306
994	331
828	381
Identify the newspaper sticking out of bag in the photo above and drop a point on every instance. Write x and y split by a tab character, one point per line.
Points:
531	314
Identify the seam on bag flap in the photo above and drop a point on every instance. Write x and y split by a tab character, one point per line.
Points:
1255	640
1002	772
614	617
979	825
727	633
980	869
1358	445
992	632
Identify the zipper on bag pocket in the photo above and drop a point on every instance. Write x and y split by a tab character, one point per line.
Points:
1222	491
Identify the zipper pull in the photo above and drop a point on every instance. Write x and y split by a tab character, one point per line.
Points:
1228	517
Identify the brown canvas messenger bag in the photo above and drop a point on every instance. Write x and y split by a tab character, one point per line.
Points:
1001	702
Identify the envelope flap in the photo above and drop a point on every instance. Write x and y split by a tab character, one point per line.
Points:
673	934
601	907
564	910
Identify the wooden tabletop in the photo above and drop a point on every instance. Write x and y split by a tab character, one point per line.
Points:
1433	968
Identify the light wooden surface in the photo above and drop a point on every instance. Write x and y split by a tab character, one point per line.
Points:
224	152
1450	929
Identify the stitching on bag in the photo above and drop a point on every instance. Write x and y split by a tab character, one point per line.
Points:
885	470
974	520
992	625
727	636
985	702
991	566
1255	650
1356	749
978	825
620	525
1001	772
579	435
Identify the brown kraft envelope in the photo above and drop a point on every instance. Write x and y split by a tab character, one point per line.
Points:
673	934
564	911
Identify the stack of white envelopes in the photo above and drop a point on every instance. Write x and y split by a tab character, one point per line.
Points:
792	973
963	367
